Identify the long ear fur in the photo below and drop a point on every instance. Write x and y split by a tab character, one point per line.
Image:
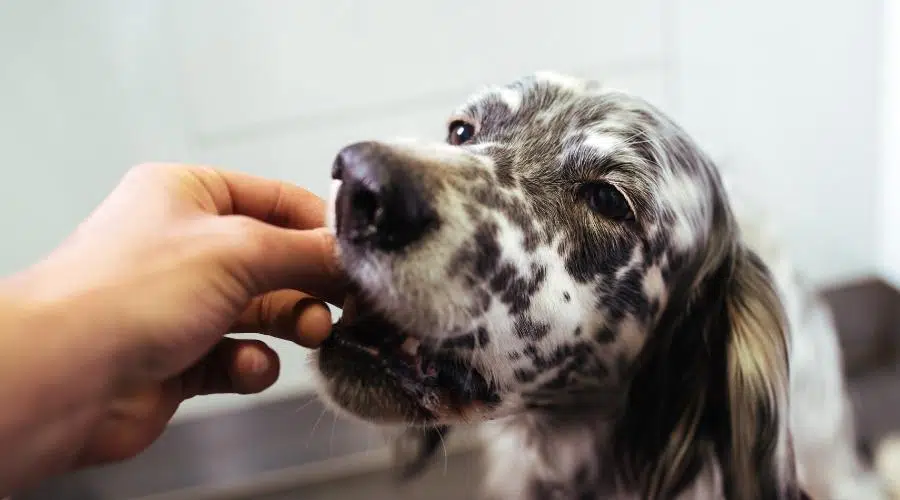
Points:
758	459
711	384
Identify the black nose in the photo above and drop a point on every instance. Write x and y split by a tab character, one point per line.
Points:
382	200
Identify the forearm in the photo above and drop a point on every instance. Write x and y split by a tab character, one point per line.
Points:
53	383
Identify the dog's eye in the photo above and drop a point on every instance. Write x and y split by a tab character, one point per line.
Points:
460	132
605	200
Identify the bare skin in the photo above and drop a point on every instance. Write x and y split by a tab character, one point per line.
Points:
128	318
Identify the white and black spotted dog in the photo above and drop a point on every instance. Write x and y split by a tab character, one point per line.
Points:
570	267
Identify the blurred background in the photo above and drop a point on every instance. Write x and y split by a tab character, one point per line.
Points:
798	101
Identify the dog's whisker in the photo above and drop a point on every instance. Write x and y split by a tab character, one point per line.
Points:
444	447
306	404
315	425
331	439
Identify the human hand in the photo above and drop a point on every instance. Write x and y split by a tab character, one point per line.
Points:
175	258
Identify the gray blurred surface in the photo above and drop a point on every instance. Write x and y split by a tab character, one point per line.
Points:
287	449
458	481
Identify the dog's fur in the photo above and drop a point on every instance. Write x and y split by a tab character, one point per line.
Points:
665	355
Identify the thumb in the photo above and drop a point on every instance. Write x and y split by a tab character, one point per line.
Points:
280	258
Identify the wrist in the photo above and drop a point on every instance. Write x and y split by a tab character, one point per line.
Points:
53	381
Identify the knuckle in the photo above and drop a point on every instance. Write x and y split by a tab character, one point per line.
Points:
266	313
245	233
225	238
246	239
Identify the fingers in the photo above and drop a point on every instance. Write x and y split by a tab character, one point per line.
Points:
131	423
289	315
135	419
271	201
277	228
233	366
275	259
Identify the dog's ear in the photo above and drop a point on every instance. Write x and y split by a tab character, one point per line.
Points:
757	456
711	384
414	449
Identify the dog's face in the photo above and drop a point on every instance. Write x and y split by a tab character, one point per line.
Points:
523	263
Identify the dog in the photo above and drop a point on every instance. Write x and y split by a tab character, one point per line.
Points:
568	270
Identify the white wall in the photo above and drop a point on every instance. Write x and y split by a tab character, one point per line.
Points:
788	92
785	98
889	145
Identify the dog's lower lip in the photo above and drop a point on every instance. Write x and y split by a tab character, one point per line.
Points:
434	379
402	349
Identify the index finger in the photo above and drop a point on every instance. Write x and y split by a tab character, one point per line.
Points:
272	201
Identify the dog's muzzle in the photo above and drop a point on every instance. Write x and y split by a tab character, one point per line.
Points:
381	200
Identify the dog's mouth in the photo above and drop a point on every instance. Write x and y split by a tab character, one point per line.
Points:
382	374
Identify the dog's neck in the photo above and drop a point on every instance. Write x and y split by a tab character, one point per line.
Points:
534	454
541	455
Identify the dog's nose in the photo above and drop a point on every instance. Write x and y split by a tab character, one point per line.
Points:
381	200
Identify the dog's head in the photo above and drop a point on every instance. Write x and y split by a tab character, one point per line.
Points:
569	250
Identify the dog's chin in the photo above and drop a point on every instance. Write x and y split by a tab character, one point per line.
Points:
376	372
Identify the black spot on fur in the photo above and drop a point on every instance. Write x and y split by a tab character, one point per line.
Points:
627	296
481	302
519	214
582	365
567	297
514	355
516	296
585	260
653	307
654	249
558	356
487	249
515	211
483	338
500	281
516	291
676	262
528	329
615	315
531	241
579	352
524	375
486	195
605	335
465	341
577	331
